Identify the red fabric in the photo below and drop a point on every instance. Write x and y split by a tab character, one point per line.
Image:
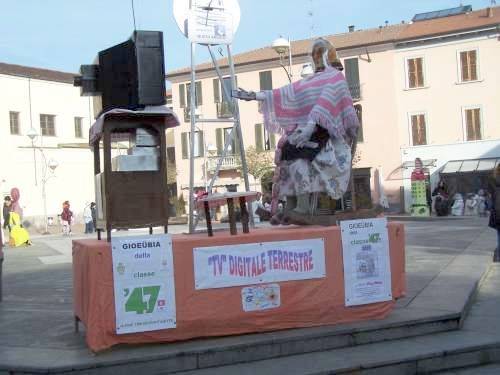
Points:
218	312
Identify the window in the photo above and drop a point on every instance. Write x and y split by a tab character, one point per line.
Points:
185	94
47	125
468	66
264	141
198	145
472	124
222	135
418	129
352	77
359	111
14	123
266	80
78	127
224	108
415	72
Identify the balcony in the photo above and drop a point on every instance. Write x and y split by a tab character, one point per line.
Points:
355	89
224	110
228	162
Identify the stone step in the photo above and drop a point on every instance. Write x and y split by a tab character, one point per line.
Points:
418	355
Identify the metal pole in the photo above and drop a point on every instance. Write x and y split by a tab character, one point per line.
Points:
192	106
290	59
237	126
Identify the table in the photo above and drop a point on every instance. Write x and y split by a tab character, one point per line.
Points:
218	312
215	200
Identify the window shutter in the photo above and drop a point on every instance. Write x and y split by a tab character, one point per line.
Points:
464	66
473	65
266	80
414	130
359	112
201	144
272	141
216	90
219	140
199	94
352	76
184	145
477	124
259	145
182	95
420	72
422	135
411	73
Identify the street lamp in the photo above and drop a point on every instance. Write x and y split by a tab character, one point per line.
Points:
283	47
47	165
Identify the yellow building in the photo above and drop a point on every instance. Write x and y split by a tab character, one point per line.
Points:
423	88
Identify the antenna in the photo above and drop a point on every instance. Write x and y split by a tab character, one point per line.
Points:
133	13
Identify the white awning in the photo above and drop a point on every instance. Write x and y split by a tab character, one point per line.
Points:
470	166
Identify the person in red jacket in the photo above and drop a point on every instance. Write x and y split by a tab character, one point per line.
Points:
66	218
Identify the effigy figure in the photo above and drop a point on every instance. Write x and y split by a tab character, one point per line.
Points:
318	122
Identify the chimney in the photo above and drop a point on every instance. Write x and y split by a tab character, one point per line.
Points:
403	22
386	23
351	28
489	12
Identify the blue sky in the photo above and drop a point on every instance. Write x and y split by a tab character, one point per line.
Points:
63	34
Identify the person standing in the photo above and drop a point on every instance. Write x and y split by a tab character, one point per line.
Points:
7	203
94	214
495	210
87	218
66	218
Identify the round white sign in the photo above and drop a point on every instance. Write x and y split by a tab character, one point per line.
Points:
208	21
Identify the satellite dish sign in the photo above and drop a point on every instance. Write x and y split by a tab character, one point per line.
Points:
208	21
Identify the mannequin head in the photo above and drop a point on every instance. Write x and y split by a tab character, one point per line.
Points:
323	53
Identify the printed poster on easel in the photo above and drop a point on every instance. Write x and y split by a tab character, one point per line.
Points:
143	278
367	265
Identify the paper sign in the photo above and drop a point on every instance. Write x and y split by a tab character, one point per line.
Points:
143	277
210	23
367	269
257	263
260	297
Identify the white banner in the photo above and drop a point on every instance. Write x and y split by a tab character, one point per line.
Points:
256	263
210	22
143	275
367	267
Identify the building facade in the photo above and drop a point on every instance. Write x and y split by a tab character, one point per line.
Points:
422	89
45	103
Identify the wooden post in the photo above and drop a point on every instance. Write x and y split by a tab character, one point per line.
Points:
206	206
232	216
244	215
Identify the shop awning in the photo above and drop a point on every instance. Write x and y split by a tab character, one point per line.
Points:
470	165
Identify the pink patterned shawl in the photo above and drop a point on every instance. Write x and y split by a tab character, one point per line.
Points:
323	98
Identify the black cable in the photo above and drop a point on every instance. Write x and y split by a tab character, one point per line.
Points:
133	14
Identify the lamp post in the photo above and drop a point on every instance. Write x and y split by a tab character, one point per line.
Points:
47	165
283	47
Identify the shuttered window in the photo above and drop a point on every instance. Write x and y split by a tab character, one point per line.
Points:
185	94
78	127
473	124
47	125
468	65
266	80
418	130
14	123
199	148
216	85
352	77
415	72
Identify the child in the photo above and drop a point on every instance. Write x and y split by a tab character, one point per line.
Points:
66	218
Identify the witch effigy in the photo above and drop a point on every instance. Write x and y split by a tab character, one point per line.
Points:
318	124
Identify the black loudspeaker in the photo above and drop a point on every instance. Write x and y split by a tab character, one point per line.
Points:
129	75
